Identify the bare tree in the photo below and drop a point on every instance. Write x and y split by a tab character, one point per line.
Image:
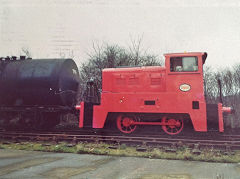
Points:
111	56
210	84
230	82
135	50
26	52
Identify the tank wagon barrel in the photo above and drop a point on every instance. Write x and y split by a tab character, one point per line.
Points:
47	87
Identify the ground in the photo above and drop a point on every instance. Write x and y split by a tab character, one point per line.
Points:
29	164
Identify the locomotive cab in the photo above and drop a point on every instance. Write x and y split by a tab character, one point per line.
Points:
185	71
184	76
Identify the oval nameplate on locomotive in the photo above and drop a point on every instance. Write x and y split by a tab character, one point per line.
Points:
185	87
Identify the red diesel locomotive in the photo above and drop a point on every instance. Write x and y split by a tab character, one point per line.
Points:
170	96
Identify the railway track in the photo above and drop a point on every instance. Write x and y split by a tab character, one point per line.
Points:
223	142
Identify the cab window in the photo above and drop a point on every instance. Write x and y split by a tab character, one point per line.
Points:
183	64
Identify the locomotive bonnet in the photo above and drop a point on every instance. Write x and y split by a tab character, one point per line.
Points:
38	82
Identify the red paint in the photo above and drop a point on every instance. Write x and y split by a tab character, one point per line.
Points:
220	116
81	117
227	110
125	90
172	126
160	90
78	107
126	124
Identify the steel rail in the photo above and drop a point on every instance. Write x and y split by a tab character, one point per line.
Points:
220	143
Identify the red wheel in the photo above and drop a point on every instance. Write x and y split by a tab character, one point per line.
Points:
173	127
125	124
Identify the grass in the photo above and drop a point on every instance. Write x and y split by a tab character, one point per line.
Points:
183	153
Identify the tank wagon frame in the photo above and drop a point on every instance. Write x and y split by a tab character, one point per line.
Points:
170	96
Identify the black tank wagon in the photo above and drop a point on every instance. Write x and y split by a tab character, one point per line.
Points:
34	93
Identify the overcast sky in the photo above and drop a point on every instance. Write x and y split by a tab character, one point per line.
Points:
56	27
